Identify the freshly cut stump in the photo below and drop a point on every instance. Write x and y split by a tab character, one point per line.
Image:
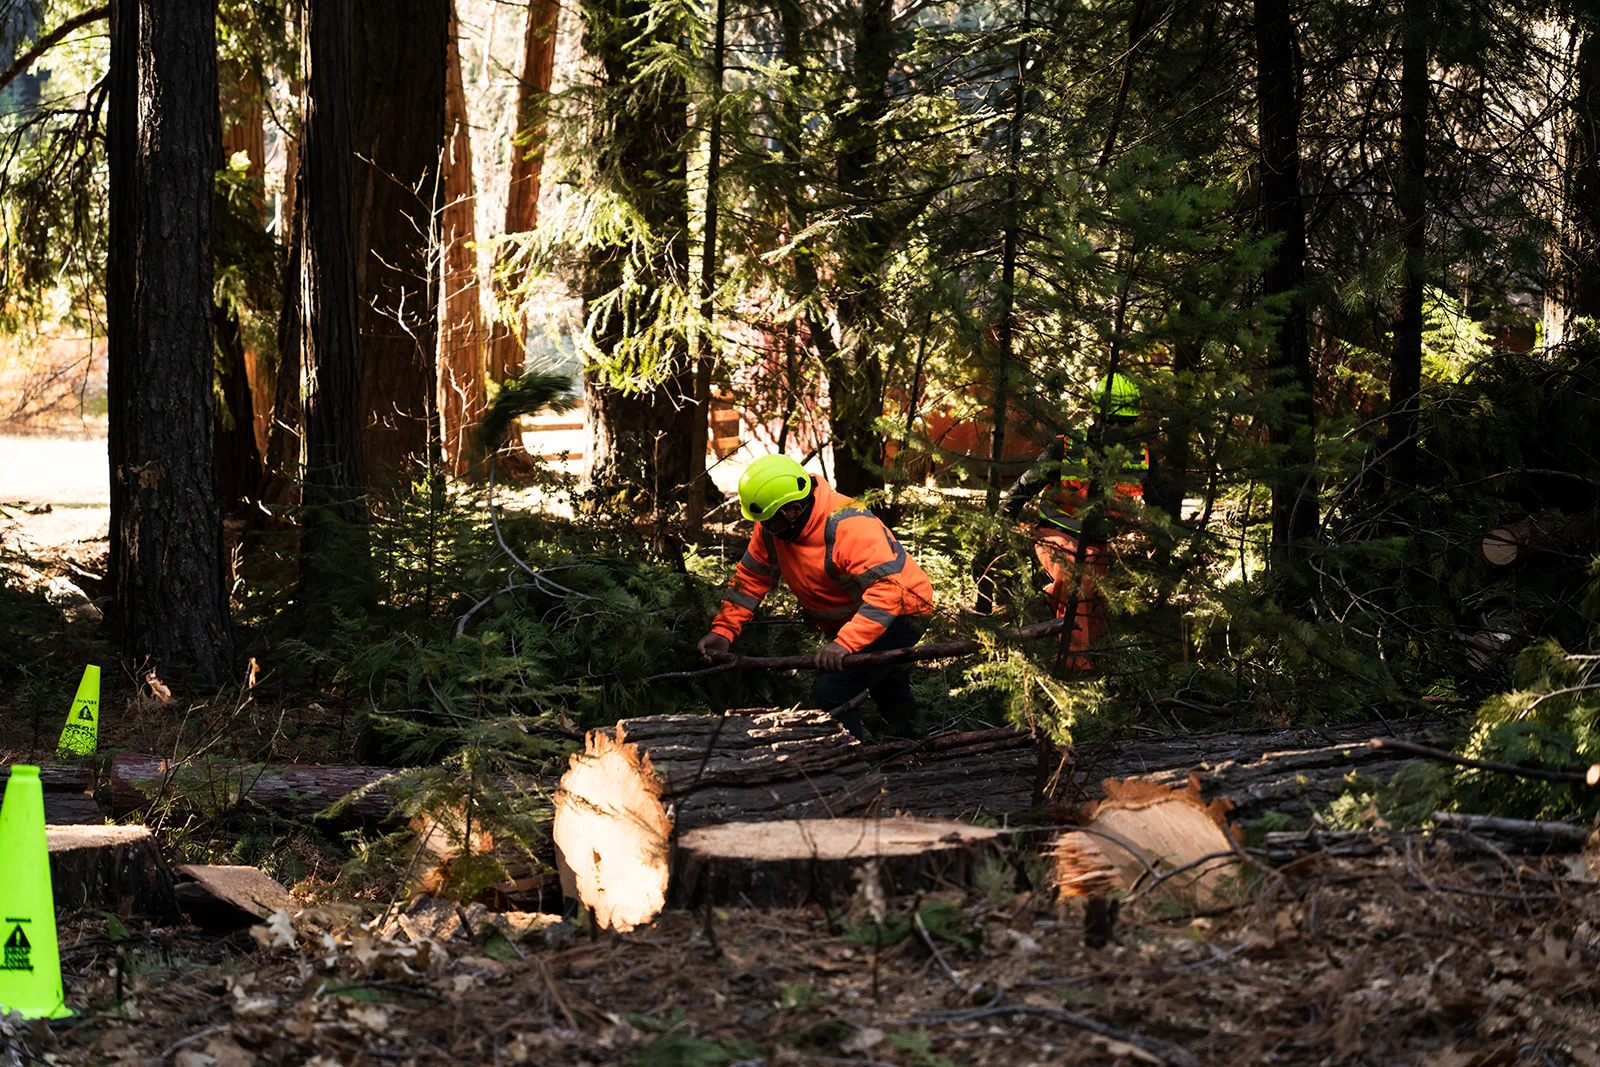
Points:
110	868
612	833
796	861
1142	825
228	896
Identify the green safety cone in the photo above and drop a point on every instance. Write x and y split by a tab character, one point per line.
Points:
30	957
81	735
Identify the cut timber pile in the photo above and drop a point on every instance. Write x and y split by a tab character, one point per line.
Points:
109	868
795	862
1143	831
715	777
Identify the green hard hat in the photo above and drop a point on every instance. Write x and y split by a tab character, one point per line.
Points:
1124	401
769	483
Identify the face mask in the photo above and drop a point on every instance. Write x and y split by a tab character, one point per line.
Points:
791	530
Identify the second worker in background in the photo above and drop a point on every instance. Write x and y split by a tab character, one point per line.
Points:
850	576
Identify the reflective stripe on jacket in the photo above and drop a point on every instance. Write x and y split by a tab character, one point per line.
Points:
1073	493
846	569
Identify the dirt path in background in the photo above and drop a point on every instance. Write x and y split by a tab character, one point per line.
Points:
55	493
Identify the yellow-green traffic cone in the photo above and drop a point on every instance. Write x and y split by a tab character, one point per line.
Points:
30	957
81	735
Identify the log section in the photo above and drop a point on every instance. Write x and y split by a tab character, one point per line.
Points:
111	868
795	862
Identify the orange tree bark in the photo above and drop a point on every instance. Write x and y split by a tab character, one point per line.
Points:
461	337
398	59
505	354
166	529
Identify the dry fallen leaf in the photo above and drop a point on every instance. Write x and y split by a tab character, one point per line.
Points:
277	932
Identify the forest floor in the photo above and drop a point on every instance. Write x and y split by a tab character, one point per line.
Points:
1412	956
1416	955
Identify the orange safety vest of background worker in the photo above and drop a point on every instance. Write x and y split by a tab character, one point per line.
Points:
1068	542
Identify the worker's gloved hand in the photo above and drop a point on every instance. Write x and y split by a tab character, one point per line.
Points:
712	646
830	657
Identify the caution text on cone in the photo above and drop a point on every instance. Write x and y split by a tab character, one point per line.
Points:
81	735
30	955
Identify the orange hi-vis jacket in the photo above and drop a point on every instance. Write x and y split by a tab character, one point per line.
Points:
846	569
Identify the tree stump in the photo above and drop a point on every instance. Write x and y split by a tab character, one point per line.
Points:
800	861
111	868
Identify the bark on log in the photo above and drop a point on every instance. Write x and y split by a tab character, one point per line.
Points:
139	783
1558	534
111	868
1553	836
755	766
822	861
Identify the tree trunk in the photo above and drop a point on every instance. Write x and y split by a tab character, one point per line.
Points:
1405	378
1004	329
1294	499
638	407
244	130
239	467
399	55
1574	289
461	337
855	371
333	485
705	358
166	528
527	169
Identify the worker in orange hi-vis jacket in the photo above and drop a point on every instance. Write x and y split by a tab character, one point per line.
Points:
849	574
1071	546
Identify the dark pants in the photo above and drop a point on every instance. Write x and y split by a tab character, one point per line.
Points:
890	686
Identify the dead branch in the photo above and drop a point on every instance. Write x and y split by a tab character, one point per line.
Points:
1558	833
50	40
1522	770
941	650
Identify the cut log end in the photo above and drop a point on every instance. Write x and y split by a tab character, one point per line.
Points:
612	833
1143	825
786	864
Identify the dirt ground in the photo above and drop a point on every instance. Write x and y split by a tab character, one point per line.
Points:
1413	956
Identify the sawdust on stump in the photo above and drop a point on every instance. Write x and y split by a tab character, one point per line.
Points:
780	864
612	833
1141	825
109	868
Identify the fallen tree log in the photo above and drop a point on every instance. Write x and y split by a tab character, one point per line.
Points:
143	783
109	868
1550	533
823	861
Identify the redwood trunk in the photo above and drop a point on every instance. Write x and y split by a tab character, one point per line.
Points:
166	527
461	336
399	60
527	170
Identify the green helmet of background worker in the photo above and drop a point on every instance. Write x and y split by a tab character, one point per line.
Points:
769	483
1124	399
